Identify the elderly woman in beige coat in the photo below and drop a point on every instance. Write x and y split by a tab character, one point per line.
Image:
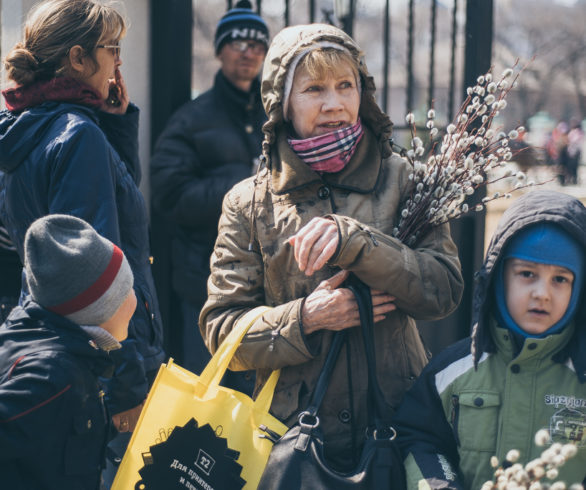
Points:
323	205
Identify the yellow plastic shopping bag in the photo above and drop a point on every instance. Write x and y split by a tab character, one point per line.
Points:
195	434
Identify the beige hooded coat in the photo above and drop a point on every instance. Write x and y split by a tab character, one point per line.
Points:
364	199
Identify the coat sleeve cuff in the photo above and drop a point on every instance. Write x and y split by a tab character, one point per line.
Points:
293	334
313	340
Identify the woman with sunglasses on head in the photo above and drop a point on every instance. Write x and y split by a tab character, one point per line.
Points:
69	145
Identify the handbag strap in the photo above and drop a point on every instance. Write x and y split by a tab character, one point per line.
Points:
377	407
323	380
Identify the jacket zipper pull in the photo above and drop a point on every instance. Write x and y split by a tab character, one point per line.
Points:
372	237
274	335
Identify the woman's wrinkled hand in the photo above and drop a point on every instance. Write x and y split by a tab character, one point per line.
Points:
330	307
118	100
315	244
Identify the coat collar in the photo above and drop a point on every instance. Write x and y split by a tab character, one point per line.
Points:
230	95
35	329
532	348
289	172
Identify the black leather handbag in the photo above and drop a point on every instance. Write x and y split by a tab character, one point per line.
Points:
297	459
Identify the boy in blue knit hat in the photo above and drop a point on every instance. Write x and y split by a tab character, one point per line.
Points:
524	367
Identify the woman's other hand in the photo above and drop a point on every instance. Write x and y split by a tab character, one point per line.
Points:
118	100
330	307
314	244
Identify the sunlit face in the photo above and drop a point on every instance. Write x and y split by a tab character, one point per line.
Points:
107	62
117	325
537	295
320	106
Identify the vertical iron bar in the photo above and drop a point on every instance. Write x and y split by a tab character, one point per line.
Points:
312	11
432	54
468	231
386	46
229	5
259	7
351	19
286	13
479	27
410	28
452	88
478	54
171	24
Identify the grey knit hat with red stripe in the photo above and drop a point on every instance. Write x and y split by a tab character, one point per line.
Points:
241	23
73	271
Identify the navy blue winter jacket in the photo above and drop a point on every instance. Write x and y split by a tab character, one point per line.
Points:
208	145
54	425
71	159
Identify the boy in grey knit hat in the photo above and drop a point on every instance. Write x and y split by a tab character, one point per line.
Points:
54	425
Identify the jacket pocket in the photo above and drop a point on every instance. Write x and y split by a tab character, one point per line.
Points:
475	420
286	402
84	446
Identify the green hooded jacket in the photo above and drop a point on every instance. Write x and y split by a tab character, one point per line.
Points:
482	397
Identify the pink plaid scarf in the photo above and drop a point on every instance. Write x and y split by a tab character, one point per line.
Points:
329	152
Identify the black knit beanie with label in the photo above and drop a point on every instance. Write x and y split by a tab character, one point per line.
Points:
241	23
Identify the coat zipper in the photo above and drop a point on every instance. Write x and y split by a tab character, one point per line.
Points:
455	416
372	237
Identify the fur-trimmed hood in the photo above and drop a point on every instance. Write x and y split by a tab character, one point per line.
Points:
284	48
533	207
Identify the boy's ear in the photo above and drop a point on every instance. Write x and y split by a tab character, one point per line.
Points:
77	59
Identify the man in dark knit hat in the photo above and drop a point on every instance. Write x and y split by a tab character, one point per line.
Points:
209	145
54	424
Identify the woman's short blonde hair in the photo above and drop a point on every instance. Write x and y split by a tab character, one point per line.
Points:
320	63
52	28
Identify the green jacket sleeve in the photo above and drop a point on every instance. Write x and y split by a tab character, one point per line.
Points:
424	434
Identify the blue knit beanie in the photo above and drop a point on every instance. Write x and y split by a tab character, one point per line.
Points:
241	23
545	243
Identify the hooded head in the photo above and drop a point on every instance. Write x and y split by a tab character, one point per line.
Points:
284	54
550	245
538	207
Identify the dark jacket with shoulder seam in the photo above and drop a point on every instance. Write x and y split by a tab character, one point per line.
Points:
209	145
54	425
